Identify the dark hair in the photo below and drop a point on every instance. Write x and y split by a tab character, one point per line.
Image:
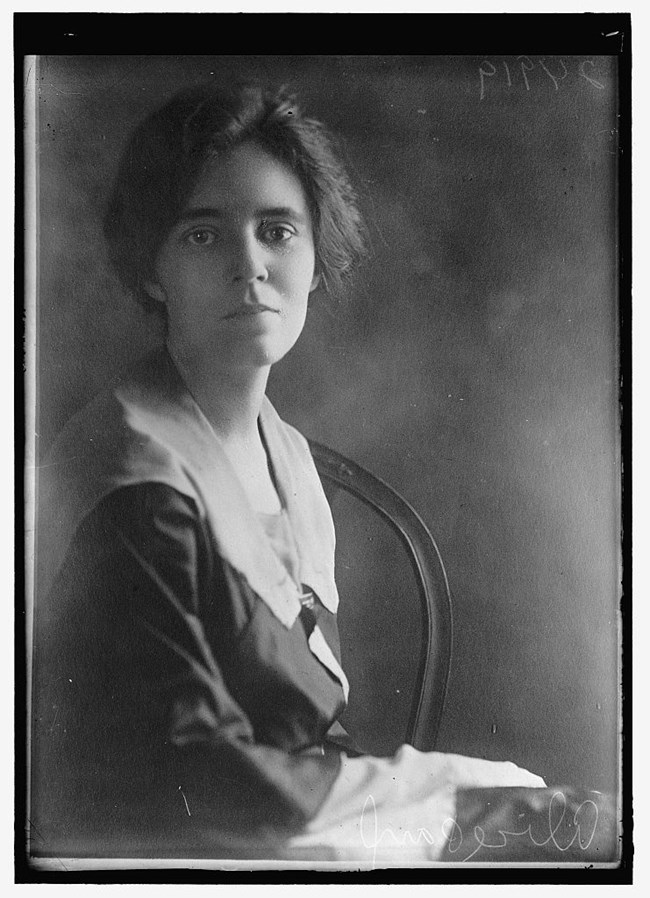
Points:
167	153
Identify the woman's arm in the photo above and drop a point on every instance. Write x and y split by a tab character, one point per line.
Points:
137	736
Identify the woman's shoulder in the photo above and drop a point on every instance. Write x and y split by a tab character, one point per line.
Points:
117	440
124	431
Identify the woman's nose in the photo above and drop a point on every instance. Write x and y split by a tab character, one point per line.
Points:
248	260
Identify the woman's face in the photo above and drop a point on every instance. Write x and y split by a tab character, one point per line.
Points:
236	270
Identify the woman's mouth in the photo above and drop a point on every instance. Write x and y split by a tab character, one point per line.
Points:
249	311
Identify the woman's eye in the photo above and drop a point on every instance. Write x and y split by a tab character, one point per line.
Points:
277	233
200	237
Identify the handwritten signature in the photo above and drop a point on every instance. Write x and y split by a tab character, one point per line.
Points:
583	821
401	840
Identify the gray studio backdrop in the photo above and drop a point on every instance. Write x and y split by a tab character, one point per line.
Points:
473	365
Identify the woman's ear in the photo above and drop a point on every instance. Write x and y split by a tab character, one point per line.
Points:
155	291
315	281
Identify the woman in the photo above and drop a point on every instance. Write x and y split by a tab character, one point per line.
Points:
187	671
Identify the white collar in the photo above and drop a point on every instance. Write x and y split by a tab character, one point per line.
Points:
151	428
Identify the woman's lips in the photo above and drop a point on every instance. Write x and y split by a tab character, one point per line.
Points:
249	311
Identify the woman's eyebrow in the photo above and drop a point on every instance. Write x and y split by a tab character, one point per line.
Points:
282	212
200	212
194	213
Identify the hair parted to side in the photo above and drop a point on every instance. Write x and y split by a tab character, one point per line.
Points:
168	151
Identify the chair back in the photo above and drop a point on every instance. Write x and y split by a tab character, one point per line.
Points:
433	656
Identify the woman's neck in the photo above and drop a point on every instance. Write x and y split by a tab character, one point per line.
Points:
230	399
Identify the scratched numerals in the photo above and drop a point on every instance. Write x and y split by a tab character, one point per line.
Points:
526	74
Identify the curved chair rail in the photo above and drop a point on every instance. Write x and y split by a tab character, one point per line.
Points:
433	588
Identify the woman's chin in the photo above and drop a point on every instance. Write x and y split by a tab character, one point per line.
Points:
260	351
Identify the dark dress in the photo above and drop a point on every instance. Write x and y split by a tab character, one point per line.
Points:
174	710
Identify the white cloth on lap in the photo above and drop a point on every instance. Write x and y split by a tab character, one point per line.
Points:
398	811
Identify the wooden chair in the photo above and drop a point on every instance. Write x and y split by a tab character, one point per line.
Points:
433	655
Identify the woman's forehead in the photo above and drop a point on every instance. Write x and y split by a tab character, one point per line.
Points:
247	178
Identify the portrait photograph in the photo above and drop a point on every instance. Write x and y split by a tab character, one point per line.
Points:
325	431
